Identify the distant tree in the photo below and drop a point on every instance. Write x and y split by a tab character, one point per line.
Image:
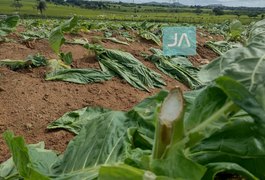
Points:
198	10
41	6
253	14
218	11
237	13
262	16
17	4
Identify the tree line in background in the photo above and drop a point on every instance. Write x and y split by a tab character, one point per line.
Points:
218	10
40	5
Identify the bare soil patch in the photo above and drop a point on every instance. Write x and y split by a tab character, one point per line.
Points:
28	103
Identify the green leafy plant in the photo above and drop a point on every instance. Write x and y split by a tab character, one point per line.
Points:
235	31
217	129
56	38
150	36
31	61
128	67
179	68
61	69
221	47
7	25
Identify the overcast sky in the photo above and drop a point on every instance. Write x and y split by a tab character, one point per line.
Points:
249	3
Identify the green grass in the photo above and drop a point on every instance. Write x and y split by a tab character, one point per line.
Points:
122	13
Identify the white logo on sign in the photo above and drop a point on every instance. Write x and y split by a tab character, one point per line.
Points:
183	37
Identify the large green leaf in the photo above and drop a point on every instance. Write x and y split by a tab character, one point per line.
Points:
7	25
22	160
243	98
242	137
80	76
211	115
128	67
56	38
106	137
236	28
100	141
246	64
31	61
204	106
179	68
73	121
238	142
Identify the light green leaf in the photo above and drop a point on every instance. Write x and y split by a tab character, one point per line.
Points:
55	65
124	172
80	76
21	158
117	41
56	38
150	36
31	61
15	64
100	141
75	120
246	64
236	28
8	170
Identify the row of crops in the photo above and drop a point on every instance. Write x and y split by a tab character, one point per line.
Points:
216	127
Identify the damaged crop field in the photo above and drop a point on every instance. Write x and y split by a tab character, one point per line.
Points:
84	99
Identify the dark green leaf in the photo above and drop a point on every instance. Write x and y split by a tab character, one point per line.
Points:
214	168
177	165
67	58
179	68
7	25
238	142
131	69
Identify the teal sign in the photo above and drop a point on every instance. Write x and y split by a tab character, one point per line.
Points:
179	41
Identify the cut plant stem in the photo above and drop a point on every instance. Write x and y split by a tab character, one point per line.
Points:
169	127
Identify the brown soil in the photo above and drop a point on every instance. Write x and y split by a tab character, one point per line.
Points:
28	103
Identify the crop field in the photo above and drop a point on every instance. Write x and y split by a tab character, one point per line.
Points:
123	13
93	99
